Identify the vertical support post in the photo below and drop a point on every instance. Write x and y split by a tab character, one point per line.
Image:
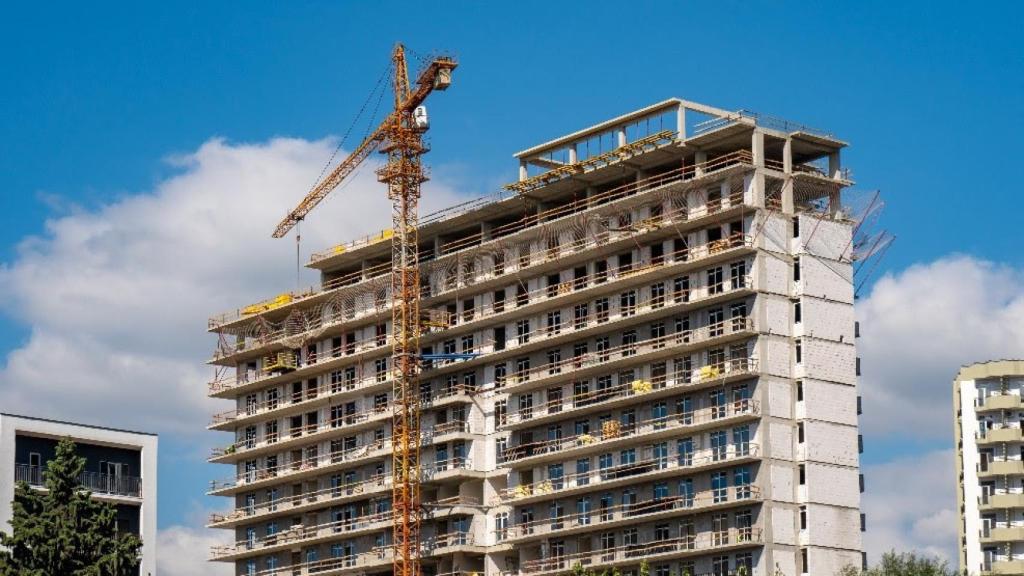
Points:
834	167
757	183
523	174
572	154
788	206
681	122
621	136
700	158
787	156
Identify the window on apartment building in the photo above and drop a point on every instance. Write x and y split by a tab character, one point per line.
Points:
799	390
681	289
467	344
554	361
579	277
796	226
523	331
627	303
804	569
500	372
796	269
863	522
468	309
800	432
714	278
554	322
499	263
601	309
499	301
381	369
657	253
860	482
580	313
600	271
803	517
797	317
499	338
802	473
553	281
799	351
522	295
629	343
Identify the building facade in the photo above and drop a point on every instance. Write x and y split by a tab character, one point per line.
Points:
643	349
990	471
120	468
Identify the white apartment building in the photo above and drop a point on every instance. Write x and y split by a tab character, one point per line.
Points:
658	362
120	468
990	471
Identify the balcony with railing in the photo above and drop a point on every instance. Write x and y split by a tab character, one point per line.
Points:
712	170
702	543
269	476
309	534
677	299
377	557
537	300
324	430
618	515
614	433
642	469
95	482
329	460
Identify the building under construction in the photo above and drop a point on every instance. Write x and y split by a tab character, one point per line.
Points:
642	350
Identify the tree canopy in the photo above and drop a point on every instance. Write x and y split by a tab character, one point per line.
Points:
63	530
904	564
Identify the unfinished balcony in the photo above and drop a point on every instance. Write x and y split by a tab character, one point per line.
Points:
643	469
682	547
628	514
997	402
614	436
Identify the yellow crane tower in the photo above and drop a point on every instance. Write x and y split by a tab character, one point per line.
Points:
400	136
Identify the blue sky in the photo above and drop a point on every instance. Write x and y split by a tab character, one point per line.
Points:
96	99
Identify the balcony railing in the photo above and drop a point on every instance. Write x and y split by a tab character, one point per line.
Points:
504	232
574	444
634	512
377	557
705	541
106	484
374	344
635	471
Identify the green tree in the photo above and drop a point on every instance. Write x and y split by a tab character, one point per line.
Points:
63	530
904	564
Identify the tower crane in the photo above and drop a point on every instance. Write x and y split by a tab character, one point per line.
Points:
400	137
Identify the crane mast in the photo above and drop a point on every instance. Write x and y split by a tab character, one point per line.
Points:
400	137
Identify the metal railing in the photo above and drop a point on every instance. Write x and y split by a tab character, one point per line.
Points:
95	482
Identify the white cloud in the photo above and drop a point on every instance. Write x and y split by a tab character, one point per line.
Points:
116	298
182	551
911	505
919	326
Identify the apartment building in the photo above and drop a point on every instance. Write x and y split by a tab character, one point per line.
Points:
120	468
643	349
990	469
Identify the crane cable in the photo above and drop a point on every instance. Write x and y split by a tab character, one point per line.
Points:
377	90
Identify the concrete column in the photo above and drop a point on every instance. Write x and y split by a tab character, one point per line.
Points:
621	135
681	122
834	203
522	170
787	156
757	148
485	231
698	162
640	175
437	246
572	154
833	165
788	206
365	266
